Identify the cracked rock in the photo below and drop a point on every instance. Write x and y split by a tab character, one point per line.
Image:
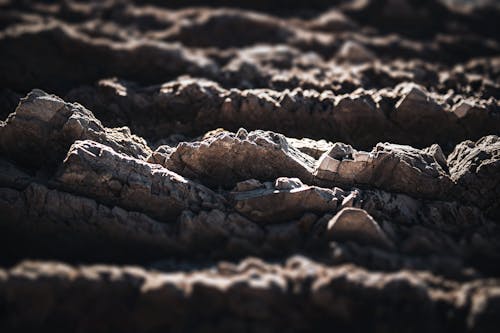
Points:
388	166
286	200
96	170
475	167
224	158
44	126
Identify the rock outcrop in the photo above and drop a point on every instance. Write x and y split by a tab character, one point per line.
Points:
44	126
263	166
475	167
226	158
388	166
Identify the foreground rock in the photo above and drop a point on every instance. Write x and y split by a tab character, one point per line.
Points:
308	295
43	127
475	166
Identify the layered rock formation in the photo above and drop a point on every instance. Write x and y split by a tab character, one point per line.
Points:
288	169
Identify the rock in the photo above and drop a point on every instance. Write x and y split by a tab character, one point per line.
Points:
160	155
249	185
354	224
208	231
284	183
50	220
333	20
259	133
43	127
414	101
436	152
475	167
248	289
462	109
223	159
288	199
355	52
419	113
96	170
388	166
310	147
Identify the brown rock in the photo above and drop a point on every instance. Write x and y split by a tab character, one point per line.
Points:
354	224
388	166
98	171
226	158
44	126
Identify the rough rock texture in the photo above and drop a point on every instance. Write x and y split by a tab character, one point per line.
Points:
264	166
226	158
475	166
356	224
43	127
97	171
388	166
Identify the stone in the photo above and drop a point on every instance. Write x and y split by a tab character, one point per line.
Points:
44	126
475	167
224	159
354	224
387	166
355	52
288	199
96	170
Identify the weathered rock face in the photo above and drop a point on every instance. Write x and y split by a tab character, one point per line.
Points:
388	166
288	198
227	158
345	161
44	126
97	171
475	167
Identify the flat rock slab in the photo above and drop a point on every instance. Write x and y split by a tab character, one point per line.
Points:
285	200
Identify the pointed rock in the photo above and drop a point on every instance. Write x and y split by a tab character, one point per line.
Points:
354	224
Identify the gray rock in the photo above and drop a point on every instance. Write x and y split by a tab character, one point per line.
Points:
355	52
313	148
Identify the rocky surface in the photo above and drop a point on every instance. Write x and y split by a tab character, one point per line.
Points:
269	166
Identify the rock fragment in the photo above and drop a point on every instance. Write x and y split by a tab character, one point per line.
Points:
355	52
286	200
354	224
